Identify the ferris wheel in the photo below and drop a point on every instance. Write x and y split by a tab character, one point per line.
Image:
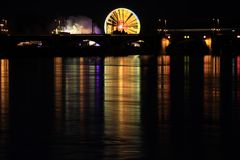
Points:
122	20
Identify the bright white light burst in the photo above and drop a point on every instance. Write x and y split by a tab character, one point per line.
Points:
81	25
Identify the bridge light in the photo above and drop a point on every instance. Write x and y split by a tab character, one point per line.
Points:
238	36
140	41
204	36
168	37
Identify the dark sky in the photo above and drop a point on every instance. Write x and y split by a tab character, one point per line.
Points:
32	14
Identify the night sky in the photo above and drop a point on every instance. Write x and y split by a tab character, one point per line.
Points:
32	16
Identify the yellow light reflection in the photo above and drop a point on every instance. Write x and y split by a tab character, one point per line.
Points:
71	86
212	88
58	83
82	82
4	86
58	66
164	88
122	96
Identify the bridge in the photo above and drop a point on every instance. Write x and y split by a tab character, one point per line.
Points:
105	43
208	40
166	41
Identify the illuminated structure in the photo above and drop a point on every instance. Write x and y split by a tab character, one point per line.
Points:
58	27
162	26
216	25
122	20
76	25
3	26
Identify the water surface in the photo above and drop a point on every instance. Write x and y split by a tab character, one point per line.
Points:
130	107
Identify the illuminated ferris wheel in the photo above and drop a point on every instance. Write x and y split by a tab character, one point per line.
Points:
122	20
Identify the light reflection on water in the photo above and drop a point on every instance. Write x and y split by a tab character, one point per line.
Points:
164	97
211	102
211	91
164	88
236	78
138	107
122	106
4	104
4	86
78	108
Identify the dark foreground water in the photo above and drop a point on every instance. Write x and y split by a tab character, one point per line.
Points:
131	107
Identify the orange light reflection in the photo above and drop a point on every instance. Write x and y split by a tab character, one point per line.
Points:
4	86
212	89
164	88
